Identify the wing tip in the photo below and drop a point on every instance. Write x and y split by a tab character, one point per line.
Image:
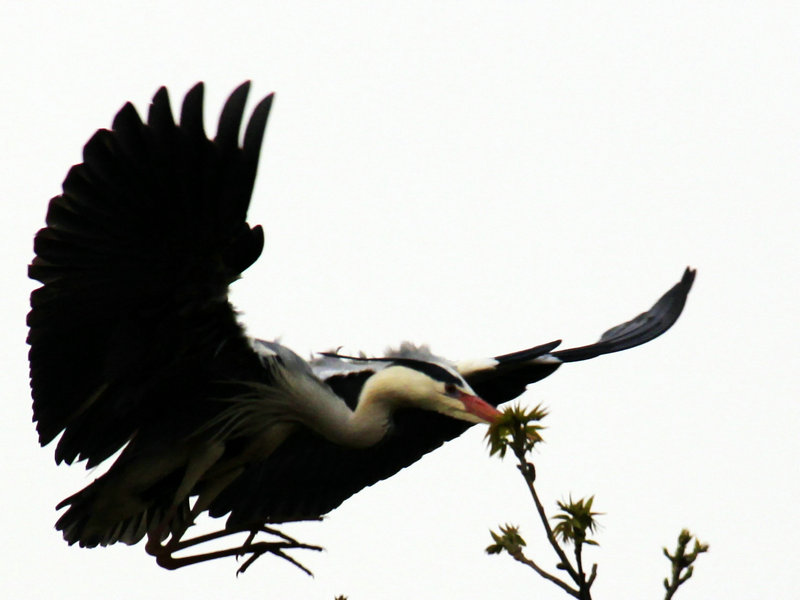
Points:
688	278
192	110
256	127
643	328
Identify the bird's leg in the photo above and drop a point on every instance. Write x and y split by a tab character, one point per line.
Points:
215	482
164	555
155	547
216	535
156	536
200	463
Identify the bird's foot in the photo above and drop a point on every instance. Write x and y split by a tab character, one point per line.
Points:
258	549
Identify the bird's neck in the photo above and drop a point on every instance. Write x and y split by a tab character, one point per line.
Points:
361	428
381	394
318	408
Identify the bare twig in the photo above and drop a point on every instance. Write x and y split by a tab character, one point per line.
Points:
520	557
528	471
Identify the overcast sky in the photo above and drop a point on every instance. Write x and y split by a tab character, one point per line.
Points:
481	176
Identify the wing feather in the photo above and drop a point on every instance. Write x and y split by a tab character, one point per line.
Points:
308	476
135	261
505	377
642	328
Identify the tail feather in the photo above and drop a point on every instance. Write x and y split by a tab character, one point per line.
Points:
100	516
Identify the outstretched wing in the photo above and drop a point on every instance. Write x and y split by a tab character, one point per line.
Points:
136	258
307	476
505	377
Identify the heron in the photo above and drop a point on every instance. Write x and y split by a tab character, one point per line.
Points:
137	353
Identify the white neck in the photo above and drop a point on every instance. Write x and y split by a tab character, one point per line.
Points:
318	408
361	428
382	393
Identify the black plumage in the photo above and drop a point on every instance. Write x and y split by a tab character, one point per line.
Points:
136	259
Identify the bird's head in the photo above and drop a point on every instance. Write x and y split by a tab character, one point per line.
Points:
419	384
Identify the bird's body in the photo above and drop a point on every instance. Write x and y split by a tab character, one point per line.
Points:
135	347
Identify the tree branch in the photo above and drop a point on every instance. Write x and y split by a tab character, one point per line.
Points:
519	556
529	475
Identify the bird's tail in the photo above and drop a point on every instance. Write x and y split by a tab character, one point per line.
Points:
100	515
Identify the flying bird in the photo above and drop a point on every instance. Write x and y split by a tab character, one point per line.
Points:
135	350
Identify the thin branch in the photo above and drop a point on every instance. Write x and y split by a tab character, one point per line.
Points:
584	588
526	467
519	556
592	576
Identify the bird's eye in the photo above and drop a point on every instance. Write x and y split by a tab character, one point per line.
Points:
451	389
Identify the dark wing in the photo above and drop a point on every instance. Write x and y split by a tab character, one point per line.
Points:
133	317
641	329
505	377
308	476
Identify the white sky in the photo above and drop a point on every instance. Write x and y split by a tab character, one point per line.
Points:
482	176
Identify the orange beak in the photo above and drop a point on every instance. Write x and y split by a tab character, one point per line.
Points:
480	408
